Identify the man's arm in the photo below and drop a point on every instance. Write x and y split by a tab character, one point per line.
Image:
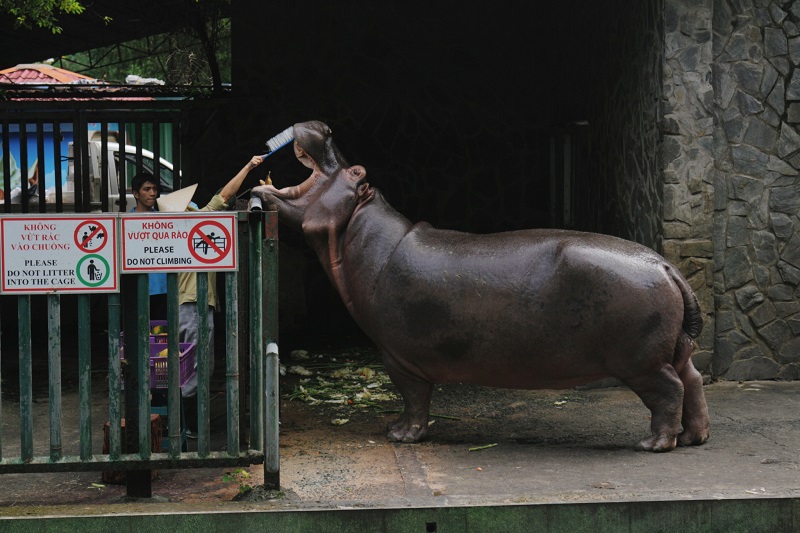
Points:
230	188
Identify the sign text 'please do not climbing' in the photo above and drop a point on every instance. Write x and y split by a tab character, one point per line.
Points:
176	242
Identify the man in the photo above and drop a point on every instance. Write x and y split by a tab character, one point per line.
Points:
145	191
189	315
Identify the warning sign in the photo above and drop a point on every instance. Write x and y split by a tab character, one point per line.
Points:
65	253
195	242
91	236
209	241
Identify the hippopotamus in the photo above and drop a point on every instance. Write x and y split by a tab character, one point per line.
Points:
527	309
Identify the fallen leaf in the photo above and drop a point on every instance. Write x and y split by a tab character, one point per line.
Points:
299	355
477	448
299	370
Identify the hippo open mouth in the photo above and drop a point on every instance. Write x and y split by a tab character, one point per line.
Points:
293	192
314	148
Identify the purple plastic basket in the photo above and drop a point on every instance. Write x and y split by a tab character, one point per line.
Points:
159	370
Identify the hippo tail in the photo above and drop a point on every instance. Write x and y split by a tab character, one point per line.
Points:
692	315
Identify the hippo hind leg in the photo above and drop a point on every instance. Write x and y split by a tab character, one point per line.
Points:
695	419
412	426
662	393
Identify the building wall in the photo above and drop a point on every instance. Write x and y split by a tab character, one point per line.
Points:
687	155
756	111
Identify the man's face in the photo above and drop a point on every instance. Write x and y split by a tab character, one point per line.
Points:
146	196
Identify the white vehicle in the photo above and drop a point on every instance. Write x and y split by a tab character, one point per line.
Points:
164	172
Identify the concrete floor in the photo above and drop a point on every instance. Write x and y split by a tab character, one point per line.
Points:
574	446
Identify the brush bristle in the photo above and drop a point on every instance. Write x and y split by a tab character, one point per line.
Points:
280	140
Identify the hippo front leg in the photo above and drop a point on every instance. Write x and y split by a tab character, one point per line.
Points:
412	426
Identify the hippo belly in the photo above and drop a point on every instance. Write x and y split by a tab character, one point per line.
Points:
524	311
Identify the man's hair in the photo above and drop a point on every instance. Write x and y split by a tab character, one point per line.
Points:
140	179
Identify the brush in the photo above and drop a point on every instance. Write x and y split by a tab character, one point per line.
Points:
274	144
279	141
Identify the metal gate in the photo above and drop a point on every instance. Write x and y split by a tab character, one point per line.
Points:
129	314
249	310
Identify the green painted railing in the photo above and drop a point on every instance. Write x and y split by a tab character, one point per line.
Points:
258	272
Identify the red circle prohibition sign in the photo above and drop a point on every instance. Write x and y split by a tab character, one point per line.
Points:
208	243
82	242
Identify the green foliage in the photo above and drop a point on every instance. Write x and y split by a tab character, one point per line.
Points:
177	58
240	476
41	13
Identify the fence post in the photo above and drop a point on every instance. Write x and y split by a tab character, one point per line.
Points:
54	366
114	377
232	361
85	375
174	400
203	398
138	483
25	378
256	333
272	361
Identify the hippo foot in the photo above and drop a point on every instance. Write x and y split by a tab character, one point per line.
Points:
693	438
407	432
658	443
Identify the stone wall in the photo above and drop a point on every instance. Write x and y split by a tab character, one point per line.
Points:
687	156
756	53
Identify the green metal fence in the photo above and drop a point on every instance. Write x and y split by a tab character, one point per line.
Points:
250	362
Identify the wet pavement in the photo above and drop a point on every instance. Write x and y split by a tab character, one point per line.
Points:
486	447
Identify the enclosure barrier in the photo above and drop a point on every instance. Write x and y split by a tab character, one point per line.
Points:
259	258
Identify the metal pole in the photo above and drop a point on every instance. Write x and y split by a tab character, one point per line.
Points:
272	468
143	369
256	334
272	361
203	374
244	347
138	483
114	378
25	378
54	367
232	361
173	368
85	375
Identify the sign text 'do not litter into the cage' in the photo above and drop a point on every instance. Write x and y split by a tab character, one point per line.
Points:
64	253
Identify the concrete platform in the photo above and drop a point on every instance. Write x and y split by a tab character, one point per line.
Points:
541	450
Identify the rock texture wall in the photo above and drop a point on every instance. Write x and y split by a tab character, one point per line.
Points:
687	155
756	54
